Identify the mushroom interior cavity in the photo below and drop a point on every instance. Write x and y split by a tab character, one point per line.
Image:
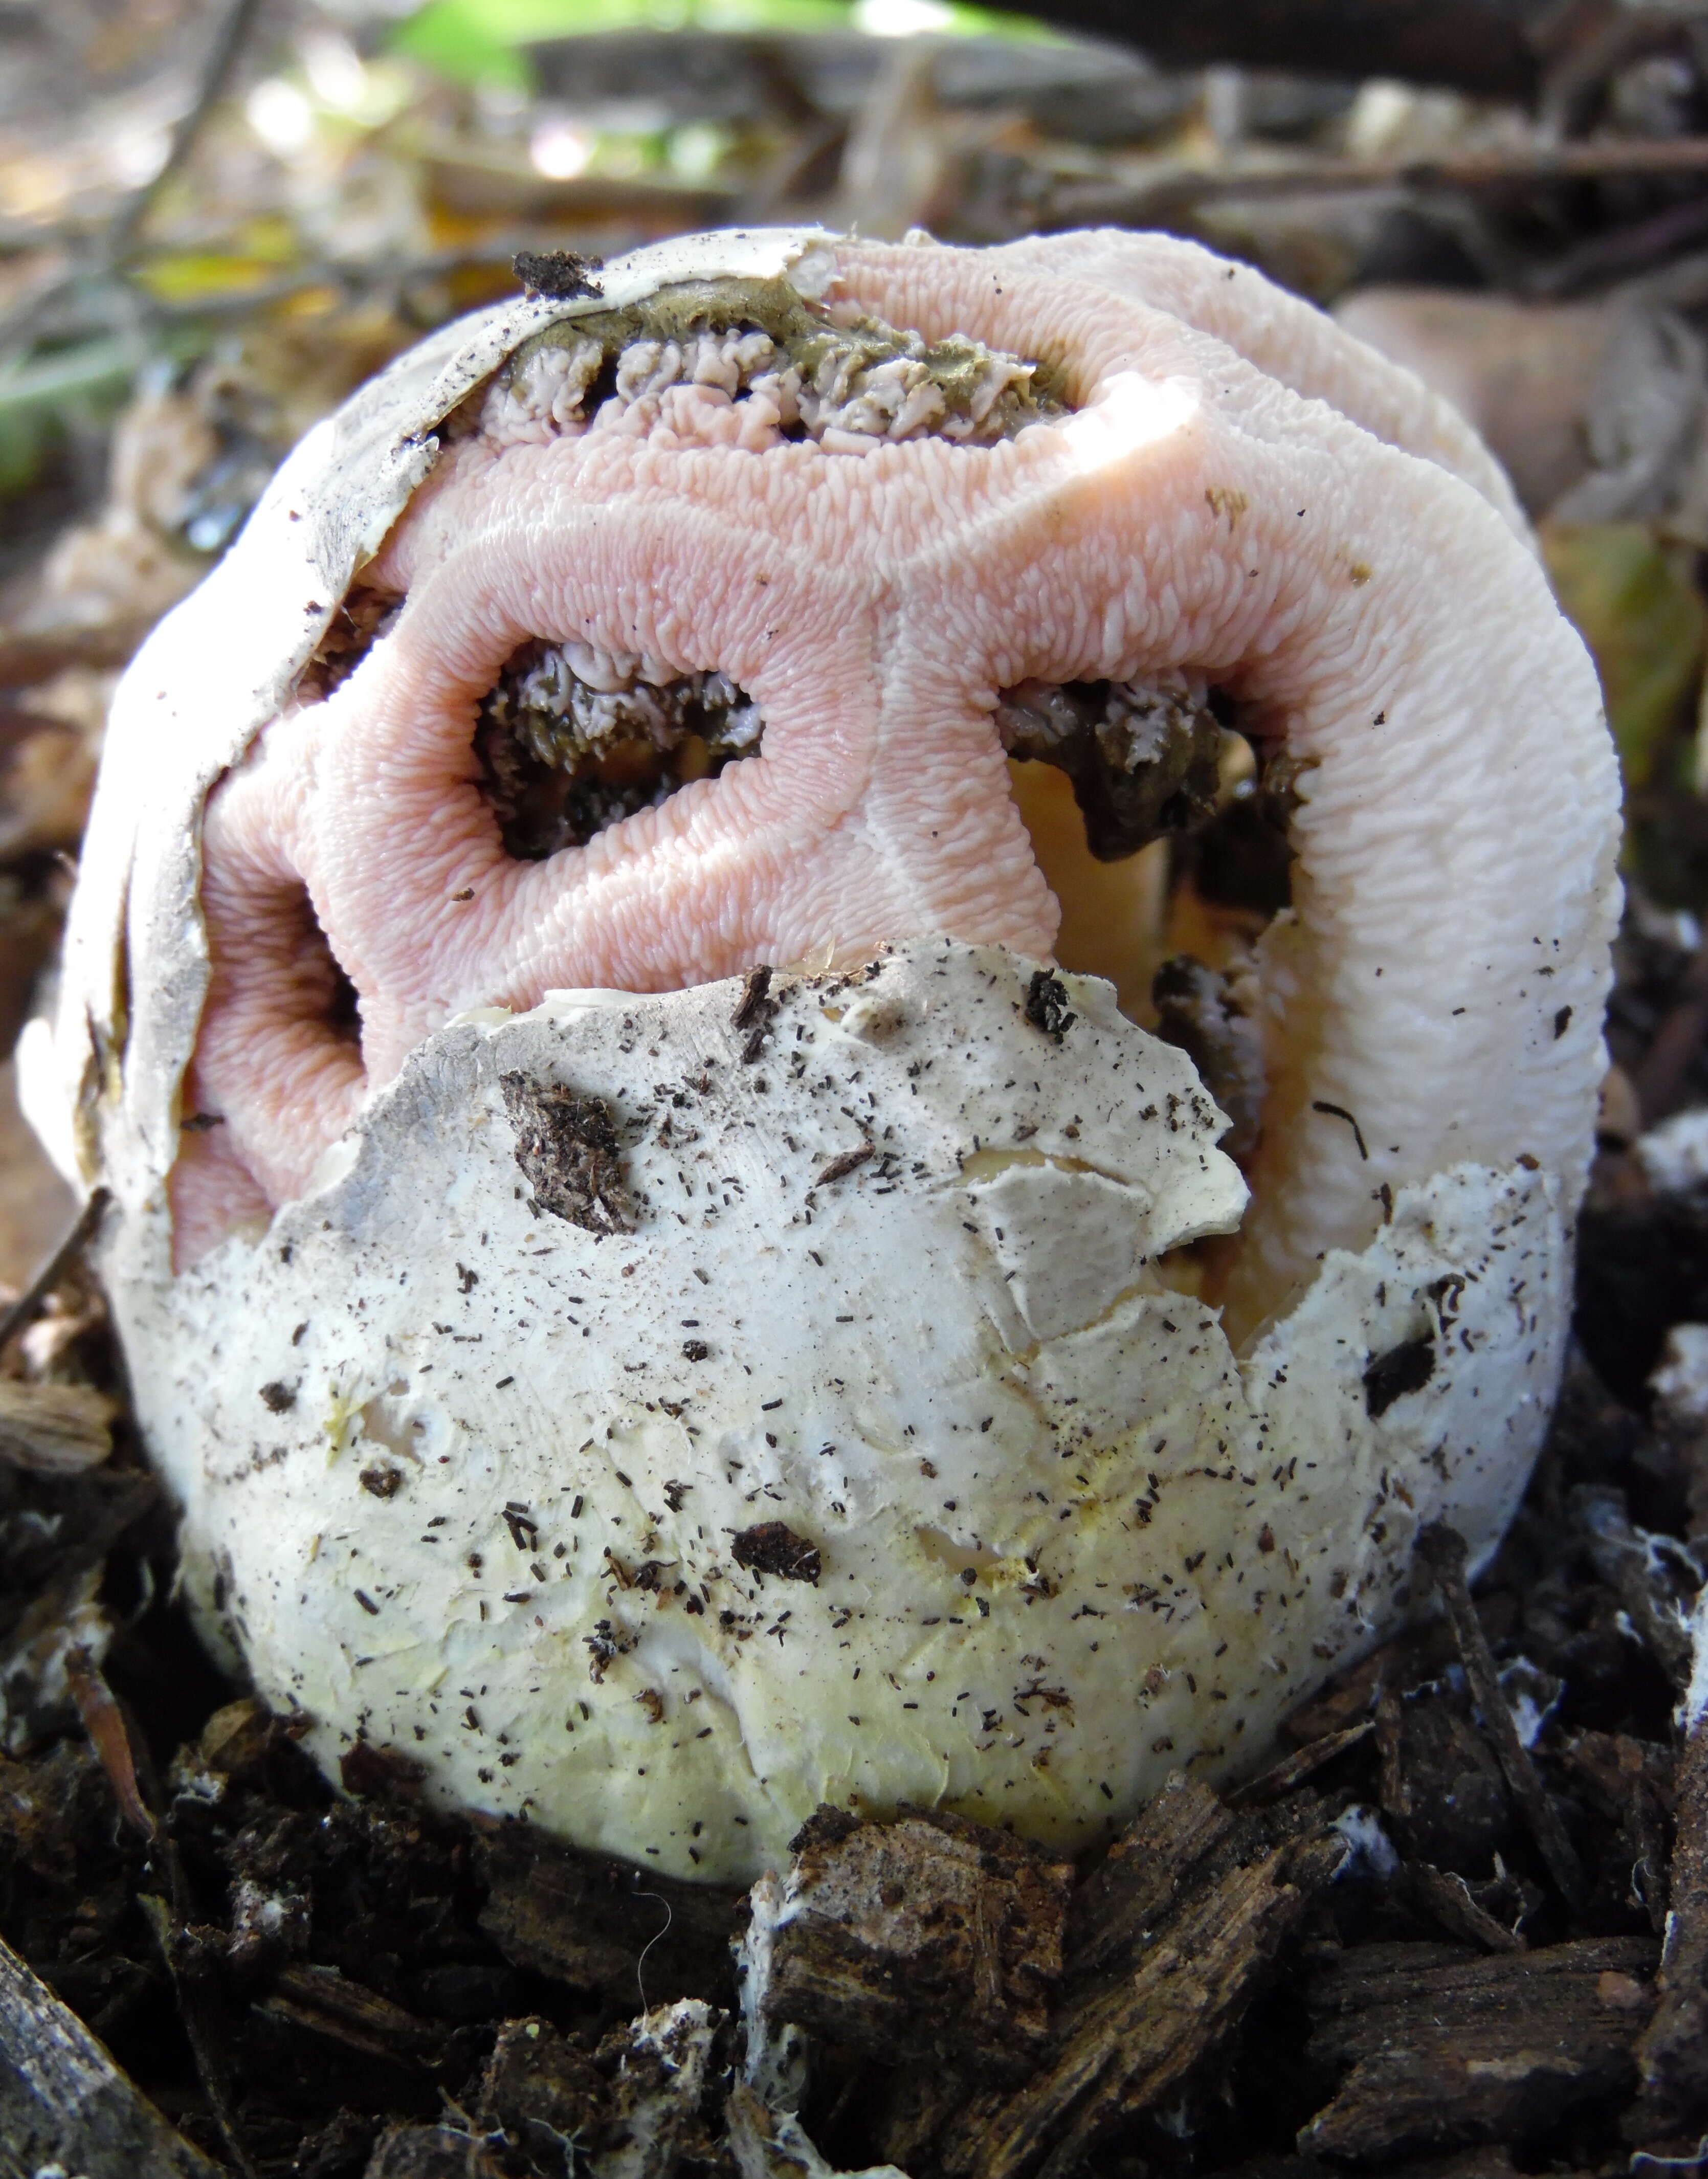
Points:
1090	479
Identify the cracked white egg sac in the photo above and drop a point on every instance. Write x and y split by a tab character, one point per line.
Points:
908	1482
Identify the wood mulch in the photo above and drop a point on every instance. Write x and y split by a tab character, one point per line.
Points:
1460	1927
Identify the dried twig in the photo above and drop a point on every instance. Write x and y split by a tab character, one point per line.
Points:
1491	48
104	1722
1292	1769
1179	188
201	1999
217	65
28	1306
1440	1552
103	255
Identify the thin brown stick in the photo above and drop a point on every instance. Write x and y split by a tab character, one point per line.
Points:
1293	1769
104	1722
28	1306
1180	188
220	59
106	251
136	1784
1440	1553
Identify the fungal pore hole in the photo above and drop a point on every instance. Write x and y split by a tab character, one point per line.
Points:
571	741
1163	832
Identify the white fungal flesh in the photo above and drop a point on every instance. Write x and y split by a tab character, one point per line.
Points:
1066	1541
1068	1536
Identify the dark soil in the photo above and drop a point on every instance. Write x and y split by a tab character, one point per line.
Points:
1417	1945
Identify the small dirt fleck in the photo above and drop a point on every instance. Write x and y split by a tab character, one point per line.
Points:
568	1148
1047	1006
755	990
1407	1368
845	1162
772	1547
562	274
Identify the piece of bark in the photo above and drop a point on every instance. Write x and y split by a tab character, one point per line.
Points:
327	2004
1446	1897
540	2089
663	2069
1654	1577
430	2152
1488	2161
1440	1554
1631	1782
587	1920
1177	1933
53	1429
1293	1769
930	1938
636	2108
63	2102
1440	2048
1185	1834
1604	1765
1675	2049
1440	1784
768	2144
1396	1667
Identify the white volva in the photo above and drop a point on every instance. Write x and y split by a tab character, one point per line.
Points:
470	1480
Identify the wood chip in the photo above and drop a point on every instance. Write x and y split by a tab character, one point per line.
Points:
65	2103
1446	1897
1169	1941
53	1429
755	990
1441	1553
931	1934
1440	2048
429	2151
1293	1769
350	2013
1675	2048
587	1919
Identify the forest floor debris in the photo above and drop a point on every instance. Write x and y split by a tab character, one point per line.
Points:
1461	1928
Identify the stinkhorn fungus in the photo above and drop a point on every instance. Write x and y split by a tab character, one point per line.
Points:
654	1292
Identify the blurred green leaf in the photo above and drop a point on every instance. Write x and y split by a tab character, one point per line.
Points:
486	40
36	400
1633	602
